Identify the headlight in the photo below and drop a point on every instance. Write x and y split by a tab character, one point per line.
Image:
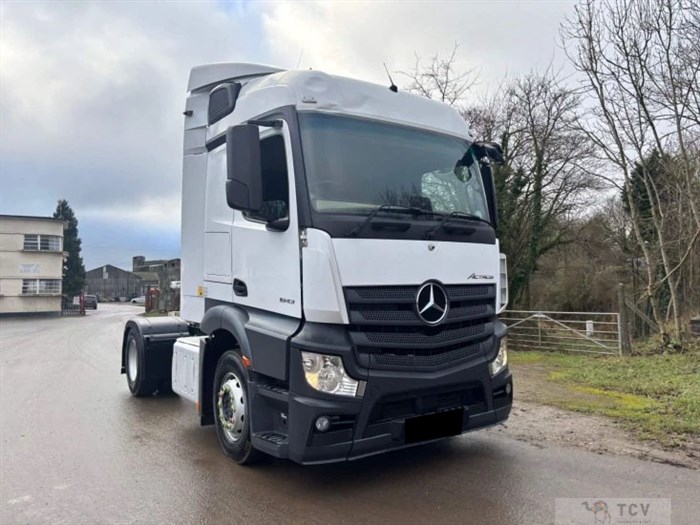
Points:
326	374
501	360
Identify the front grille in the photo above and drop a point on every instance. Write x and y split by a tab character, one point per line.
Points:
384	293
378	312
418	337
384	323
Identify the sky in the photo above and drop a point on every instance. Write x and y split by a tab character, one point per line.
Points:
92	94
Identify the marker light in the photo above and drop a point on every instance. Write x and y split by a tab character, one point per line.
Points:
503	283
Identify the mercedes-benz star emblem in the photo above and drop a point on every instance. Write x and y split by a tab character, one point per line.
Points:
431	303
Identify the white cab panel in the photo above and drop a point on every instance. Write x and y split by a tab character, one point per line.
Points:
185	367
323	292
192	269
217	256
366	262
217	236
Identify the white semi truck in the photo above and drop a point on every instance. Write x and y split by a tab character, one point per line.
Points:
341	274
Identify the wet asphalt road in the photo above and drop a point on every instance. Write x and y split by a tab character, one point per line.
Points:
77	448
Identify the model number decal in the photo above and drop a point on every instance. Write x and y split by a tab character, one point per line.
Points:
285	300
479	276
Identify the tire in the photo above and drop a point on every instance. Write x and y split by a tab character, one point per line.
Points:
135	359
231	409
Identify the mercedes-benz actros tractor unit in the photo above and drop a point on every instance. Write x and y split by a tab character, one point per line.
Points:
341	275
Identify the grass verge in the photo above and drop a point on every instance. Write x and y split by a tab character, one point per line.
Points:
655	396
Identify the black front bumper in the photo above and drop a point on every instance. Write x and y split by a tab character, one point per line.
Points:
364	438
375	422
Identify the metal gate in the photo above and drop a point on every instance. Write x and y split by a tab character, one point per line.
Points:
73	305
591	332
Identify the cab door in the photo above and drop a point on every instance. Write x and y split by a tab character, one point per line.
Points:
266	262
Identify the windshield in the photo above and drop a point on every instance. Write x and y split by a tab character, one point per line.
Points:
354	165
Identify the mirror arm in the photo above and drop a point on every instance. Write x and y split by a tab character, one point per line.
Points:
490	187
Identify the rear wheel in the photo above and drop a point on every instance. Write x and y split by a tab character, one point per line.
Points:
231	409
136	378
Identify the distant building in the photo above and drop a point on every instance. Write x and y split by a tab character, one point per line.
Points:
111	283
31	264
168	271
148	280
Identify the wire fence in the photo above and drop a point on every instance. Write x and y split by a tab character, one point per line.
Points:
589	332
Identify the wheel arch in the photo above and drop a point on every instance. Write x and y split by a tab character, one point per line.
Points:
225	328
160	331
155	338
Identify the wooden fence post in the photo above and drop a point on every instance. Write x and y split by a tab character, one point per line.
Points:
623	324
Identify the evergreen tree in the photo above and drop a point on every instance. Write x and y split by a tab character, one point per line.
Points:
653	169
74	273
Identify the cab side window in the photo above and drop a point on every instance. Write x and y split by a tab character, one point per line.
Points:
275	181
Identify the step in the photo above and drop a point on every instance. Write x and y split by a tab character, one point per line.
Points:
272	443
273	392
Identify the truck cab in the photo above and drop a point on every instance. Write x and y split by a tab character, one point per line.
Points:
341	274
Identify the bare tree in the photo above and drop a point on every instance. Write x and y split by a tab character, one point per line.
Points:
640	61
441	79
546	182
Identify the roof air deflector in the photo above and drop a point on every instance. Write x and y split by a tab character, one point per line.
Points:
210	74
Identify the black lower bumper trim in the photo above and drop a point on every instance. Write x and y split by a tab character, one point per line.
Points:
373	446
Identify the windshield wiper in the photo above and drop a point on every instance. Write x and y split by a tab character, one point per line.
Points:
388	208
454	215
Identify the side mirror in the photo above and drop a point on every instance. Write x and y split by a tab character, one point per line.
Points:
490	189
490	150
243	168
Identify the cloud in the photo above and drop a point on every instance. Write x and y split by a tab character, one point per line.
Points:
91	94
355	38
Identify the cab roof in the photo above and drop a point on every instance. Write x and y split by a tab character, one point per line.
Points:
310	90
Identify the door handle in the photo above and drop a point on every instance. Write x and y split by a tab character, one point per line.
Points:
240	288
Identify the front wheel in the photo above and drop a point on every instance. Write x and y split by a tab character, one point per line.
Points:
231	409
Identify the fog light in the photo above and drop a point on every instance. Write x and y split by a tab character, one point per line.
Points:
509	389
323	424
